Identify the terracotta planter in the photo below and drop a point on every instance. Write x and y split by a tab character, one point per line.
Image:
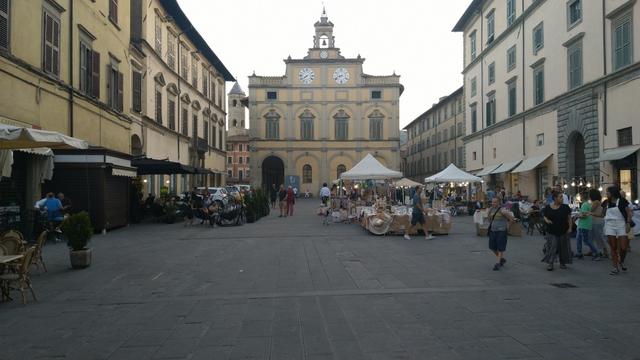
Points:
80	259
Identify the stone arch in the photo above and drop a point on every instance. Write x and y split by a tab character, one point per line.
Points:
314	162
272	169
577	125
575	155
136	145
234	123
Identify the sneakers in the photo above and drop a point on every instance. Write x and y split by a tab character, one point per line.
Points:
407	237
502	261
496	267
429	237
596	258
578	256
550	267
623	268
615	271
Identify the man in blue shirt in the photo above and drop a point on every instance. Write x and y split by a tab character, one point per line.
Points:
54	208
417	216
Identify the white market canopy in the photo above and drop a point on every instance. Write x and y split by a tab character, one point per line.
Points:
13	137
408	183
370	169
452	174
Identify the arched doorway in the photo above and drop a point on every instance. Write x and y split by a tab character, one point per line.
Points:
272	171
576	162
136	145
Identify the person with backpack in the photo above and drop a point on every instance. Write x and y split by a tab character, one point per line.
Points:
617	224
499	217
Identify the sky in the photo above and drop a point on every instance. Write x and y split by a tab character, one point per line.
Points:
411	37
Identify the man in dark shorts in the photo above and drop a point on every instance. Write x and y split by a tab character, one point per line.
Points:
417	216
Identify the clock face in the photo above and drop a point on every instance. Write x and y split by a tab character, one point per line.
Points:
324	54
341	75
306	75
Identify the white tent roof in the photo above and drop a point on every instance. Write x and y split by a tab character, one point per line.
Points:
404	182
452	174
13	137
370	169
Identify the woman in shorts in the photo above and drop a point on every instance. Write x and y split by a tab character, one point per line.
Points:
617	224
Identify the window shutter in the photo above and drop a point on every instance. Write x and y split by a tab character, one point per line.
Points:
137	91
95	74
113	10
120	104
4	24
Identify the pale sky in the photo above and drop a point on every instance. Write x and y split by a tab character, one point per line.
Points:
411	37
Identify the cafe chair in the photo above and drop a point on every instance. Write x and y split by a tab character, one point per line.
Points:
37	256
19	280
12	245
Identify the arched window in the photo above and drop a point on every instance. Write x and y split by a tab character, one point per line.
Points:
306	125
307	177
273	127
375	125
340	170
342	125
235	103
235	122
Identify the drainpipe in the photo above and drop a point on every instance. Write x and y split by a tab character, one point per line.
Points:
524	40
70	120
604	61
482	80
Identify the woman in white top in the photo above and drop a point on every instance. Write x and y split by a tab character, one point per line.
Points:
617	224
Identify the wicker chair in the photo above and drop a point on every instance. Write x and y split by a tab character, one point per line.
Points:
20	278
12	245
12	233
37	256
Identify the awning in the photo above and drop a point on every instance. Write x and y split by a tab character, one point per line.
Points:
122	171
531	163
618	153
13	137
506	167
487	170
148	166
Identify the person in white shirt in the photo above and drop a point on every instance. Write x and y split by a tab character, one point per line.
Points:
325	193
617	224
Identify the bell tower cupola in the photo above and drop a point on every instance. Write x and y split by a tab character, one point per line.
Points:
324	33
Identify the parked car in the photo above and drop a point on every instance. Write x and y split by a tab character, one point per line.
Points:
219	194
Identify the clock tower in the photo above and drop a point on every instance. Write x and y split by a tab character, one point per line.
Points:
321	117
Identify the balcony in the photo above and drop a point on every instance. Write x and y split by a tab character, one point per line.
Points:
202	144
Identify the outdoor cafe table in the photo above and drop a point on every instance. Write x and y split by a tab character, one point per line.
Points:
5	259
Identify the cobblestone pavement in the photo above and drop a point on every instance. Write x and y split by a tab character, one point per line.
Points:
290	288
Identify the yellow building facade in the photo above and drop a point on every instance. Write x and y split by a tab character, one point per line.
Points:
322	117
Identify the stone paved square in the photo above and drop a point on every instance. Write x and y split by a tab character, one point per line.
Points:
291	288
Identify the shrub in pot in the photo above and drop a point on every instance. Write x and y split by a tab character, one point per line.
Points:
77	228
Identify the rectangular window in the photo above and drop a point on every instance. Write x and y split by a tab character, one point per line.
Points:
460	156
136	91
513	98
376	94
511	58
472	45
240	147
158	106
492	73
115	86
171	114
205	82
445	135
342	129
538	85
171	51
511	12
194	72
229	160
194	128
51	43
474	86
474	118
272	95
539	139
239	159
491	26
474	156
491	111
625	137
184	62
574	13
158	35
622	41
574	62
113	11
538	38
86	66
185	121
5	25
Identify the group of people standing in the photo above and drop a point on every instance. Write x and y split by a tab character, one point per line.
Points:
285	198
597	220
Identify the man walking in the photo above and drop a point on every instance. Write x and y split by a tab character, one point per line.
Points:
417	216
291	199
498	218
274	195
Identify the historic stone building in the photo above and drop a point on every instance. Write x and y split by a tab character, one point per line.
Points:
550	92
321	117
435	138
238	169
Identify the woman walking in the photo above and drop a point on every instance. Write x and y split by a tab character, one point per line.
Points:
557	216
617	224
597	222
291	199
585	226
498	218
282	201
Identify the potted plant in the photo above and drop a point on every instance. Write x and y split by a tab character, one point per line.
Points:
77	228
